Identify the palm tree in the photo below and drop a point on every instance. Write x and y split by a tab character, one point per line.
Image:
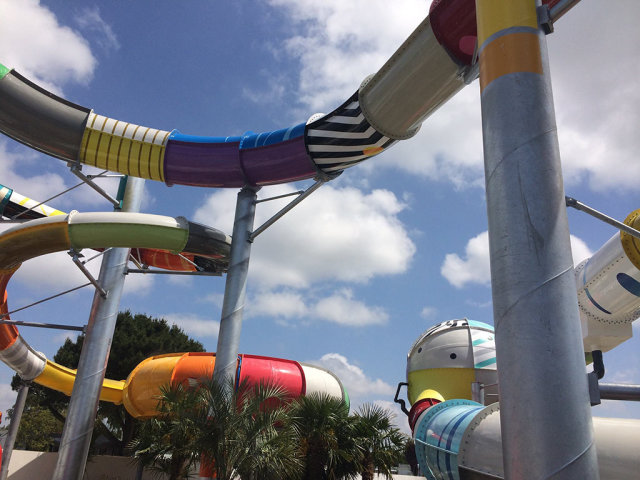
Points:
325	437
243	431
165	443
381	444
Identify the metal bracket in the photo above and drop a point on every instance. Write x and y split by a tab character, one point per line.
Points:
403	405
56	326
147	270
594	389
2	316
76	169
75	256
560	8
301	196
544	19
573	203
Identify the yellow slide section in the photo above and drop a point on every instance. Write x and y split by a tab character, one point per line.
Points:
61	378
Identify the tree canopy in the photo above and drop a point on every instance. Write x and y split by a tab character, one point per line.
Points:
136	337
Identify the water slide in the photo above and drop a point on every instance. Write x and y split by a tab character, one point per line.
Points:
424	73
52	230
431	66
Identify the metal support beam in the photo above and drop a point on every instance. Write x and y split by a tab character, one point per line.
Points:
10	439
287	208
76	167
562	7
235	287
544	404
618	391
56	326
148	271
76	435
45	300
573	203
75	257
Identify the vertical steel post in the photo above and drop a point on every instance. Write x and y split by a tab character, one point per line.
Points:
76	435
544	403
10	439
235	287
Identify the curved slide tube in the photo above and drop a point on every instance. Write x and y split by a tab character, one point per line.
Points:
425	72
608	285
140	391
460	439
13	204
88	230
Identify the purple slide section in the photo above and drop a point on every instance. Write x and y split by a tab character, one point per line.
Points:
228	165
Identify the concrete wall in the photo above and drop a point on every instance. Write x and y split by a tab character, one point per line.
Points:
27	465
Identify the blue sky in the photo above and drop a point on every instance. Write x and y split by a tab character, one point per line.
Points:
353	276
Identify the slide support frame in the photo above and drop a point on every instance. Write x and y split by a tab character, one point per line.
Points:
538	336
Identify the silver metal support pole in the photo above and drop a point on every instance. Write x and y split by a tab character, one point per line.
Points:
477	392
76	435
235	287
619	391
544	403
10	440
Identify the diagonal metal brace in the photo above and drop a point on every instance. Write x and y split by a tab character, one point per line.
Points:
573	203
75	256
76	168
287	208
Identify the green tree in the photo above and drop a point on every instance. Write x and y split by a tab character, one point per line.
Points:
381	445
135	338
326	437
38	428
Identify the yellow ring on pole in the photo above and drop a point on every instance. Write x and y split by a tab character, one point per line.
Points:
631	244
512	53
494	16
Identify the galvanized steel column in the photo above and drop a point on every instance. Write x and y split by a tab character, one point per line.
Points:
76	435
235	287
10	439
544	404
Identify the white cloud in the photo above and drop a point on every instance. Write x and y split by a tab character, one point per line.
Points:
428	312
339	43
43	186
358	384
474	265
597	110
579	250
361	387
90	21
285	305
193	325
340	307
336	234
34	43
